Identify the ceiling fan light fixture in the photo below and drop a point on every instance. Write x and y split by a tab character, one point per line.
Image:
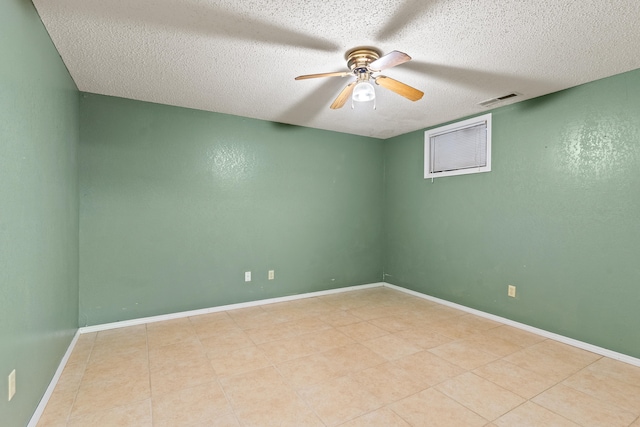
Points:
363	92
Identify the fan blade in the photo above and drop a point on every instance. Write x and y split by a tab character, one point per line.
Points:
389	60
400	88
344	95
315	76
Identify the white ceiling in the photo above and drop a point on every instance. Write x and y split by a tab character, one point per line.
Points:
241	57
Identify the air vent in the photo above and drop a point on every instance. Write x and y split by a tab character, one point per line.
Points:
493	101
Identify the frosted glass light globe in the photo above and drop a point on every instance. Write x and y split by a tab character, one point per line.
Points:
363	92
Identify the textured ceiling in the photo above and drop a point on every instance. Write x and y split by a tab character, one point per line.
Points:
241	57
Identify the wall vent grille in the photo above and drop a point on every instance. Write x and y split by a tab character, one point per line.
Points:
493	101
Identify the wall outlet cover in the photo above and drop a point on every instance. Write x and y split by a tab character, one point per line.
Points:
12	384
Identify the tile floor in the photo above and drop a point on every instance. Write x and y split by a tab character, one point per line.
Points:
375	357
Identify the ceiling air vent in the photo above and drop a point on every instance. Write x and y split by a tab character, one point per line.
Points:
493	101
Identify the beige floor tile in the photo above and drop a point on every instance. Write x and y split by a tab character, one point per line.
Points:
215	327
274	332
463	326
339	400
248	318
362	331
514	335
253	386
464	354
394	323
582	408
617	370
311	306
116	365
121	336
424	338
481	396
105	350
58	409
337	318
87	338
383	417
450	329
71	377
288	329
131	415
182	322
514	378
215	317
117	391
225	342
289	349
80	354
387	382
432	408
352	358
190	406
344	301
427	368
327	339
174	354
492	344
262	398
391	347
285	312
478	323
178	374
226	420
310	325
545	365
565	353
531	415
607	389
371	311
238	361
439	313
279	411
174	332
308	370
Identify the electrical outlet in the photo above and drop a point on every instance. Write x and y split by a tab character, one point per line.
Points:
247	276
12	384
272	274
511	291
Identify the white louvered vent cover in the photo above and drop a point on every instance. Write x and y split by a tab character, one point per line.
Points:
458	148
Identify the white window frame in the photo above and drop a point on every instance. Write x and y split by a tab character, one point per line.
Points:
486	119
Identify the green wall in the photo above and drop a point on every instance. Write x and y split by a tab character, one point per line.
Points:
176	204
39	125
558	216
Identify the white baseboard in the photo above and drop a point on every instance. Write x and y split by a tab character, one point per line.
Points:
52	385
560	338
163	317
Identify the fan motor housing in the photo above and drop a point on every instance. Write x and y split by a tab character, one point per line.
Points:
358	59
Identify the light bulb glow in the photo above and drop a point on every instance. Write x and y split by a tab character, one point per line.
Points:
363	92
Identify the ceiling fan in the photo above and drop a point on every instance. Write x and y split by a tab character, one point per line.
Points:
363	62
